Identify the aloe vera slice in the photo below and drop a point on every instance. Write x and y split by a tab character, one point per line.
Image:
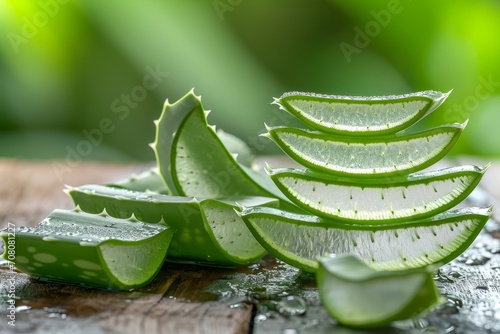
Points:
366	157
360	115
414	196
300	240
93	250
194	162
209	231
358	296
147	181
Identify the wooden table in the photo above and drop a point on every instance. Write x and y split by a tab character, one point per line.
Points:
192	299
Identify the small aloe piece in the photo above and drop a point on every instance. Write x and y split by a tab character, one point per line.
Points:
300	240
94	250
358	296
366	157
147	181
193	161
360	115
208	231
413	196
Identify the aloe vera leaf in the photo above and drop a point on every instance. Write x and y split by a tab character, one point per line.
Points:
207	231
360	115
358	296
414	196
151	180
366	157
194	162
237	147
147	181
94	250
300	240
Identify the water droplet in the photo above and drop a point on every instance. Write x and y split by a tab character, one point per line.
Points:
240	305
477	260
260	318
450	330
448	307
23	308
441	277
455	274
291	306
456	300
290	331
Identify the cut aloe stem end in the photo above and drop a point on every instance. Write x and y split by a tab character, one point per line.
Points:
360	115
417	195
366	157
358	296
92	250
300	240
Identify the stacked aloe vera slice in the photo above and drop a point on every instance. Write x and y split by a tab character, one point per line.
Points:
363	189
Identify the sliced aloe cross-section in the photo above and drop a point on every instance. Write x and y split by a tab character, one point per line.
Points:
300	240
366	157
193	160
358	296
413	196
208	231
94	250
360	115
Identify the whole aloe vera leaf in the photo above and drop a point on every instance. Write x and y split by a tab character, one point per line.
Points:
413	196
147	181
300	240
208	231
360	115
358	296
94	250
366	157
194	162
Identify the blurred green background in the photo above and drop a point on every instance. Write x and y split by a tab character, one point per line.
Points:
87	78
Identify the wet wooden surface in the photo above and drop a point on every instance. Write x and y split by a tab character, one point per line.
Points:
191	299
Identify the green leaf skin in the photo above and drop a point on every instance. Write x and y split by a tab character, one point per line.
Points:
92	250
237	147
358	296
414	196
194	162
300	240
366	157
148	181
360	115
208	231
